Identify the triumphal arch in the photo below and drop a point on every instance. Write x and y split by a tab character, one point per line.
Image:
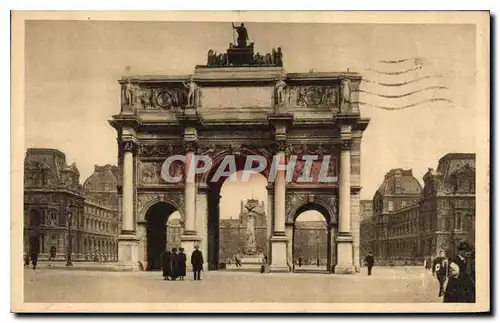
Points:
239	104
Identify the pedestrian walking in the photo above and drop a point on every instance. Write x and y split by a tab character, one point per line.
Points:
34	259
197	262
370	261
440	270
167	265
182	263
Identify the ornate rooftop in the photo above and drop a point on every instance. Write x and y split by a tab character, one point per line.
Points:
400	182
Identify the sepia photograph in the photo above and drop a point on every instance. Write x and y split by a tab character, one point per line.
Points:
250	162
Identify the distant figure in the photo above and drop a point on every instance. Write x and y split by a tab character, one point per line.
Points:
167	265
242	35
317	262
237	261
182	263
440	270
26	260
197	262
300	261
370	261
34	259
264	264
428	263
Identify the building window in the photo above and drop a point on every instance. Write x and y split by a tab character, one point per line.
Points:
390	206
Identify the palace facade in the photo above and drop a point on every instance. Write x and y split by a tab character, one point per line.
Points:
59	215
411	223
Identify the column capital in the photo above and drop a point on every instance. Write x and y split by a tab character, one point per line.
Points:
346	145
280	145
129	146
190	146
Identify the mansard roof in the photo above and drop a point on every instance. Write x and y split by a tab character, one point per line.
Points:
104	179
47	167
399	182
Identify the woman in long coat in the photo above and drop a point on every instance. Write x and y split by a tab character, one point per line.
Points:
174	261
167	265
182	263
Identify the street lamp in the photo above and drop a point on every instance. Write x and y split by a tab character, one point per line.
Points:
70	242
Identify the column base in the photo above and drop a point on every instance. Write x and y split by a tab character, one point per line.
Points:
128	253
187	243
344	270
279	261
345	264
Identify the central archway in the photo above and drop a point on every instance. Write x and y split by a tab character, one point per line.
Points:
312	239
156	232
218	253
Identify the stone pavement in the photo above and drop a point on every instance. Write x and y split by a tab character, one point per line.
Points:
386	285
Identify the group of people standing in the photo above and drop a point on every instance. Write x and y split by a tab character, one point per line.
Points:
174	264
459	275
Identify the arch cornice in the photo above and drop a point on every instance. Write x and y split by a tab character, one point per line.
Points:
218	157
294	201
146	200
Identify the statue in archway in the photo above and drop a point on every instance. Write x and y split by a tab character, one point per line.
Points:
250	243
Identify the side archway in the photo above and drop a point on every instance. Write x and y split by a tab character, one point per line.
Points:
156	219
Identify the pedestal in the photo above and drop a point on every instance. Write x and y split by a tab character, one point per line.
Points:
128	253
187	243
279	254
344	256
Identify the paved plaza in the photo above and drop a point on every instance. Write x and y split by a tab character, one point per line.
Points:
386	285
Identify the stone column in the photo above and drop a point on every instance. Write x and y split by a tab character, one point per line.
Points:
202	224
128	244
189	237
128	189
279	240
289	235
344	239
269	221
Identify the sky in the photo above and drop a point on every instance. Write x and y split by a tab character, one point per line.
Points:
72	68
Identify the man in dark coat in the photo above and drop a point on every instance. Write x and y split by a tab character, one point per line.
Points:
167	265
370	261
197	262
463	290
440	270
34	259
182	263
175	264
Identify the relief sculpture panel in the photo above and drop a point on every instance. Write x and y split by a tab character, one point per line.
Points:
150	172
320	163
307	96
